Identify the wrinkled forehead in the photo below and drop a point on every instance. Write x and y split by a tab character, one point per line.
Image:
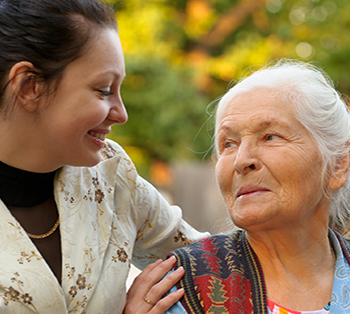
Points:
275	93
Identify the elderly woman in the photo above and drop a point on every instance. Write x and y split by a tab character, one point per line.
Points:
282	139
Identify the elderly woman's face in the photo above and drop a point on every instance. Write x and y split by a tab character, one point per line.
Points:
269	167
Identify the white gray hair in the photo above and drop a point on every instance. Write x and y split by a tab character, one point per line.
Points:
318	107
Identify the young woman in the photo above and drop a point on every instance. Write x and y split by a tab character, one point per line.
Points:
74	212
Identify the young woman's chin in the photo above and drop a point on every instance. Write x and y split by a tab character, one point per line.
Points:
93	161
89	161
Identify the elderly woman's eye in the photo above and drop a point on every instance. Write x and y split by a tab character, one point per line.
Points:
229	144
272	137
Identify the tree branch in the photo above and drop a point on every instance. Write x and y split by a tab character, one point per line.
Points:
230	22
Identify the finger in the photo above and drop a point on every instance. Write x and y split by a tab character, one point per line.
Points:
147	288
138	281
161	270
163	286
150	268
167	302
150	278
160	308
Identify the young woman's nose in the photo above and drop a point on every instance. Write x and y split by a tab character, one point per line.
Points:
117	112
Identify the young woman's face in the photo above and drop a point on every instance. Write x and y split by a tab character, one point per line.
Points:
86	104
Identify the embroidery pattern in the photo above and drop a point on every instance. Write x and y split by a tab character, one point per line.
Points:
15	294
28	257
108	151
211	283
122	256
122	252
146	225
80	282
17	227
180	237
66	193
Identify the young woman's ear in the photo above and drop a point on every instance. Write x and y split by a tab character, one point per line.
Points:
24	85
340	173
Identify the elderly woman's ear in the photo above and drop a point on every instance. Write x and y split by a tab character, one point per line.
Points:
340	172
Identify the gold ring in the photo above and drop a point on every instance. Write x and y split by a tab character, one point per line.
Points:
148	301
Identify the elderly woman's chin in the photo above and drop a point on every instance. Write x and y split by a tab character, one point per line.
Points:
254	216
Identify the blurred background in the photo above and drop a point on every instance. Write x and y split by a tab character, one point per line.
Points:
182	55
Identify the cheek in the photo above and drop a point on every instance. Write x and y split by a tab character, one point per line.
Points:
300	181
224	174
93	115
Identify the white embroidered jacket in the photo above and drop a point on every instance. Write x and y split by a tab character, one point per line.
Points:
108	214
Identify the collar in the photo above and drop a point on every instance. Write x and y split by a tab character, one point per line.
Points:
23	188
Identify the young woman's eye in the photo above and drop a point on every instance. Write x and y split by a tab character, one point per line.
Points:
105	93
272	137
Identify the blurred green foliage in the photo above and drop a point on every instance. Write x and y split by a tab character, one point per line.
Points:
182	54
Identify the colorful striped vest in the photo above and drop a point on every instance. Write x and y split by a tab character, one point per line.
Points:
223	275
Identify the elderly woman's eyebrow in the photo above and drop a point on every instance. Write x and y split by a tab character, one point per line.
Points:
258	125
273	122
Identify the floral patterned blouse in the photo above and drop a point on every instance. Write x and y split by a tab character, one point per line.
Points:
109	217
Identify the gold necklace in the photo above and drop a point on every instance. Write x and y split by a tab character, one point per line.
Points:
45	235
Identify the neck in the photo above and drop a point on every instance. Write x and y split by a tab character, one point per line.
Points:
298	258
21	146
292	248
21	188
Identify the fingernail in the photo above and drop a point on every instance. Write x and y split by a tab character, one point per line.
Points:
179	270
171	259
180	291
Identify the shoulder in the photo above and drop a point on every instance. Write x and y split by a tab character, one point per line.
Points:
343	239
213	245
344	243
216	274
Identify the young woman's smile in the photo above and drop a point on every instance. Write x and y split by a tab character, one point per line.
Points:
86	104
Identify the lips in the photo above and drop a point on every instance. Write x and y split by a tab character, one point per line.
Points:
250	190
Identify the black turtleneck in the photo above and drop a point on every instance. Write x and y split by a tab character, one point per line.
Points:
29	197
22	188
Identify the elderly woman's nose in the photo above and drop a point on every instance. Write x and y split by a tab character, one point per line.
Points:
246	159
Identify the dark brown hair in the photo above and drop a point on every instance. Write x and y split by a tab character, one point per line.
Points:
48	33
